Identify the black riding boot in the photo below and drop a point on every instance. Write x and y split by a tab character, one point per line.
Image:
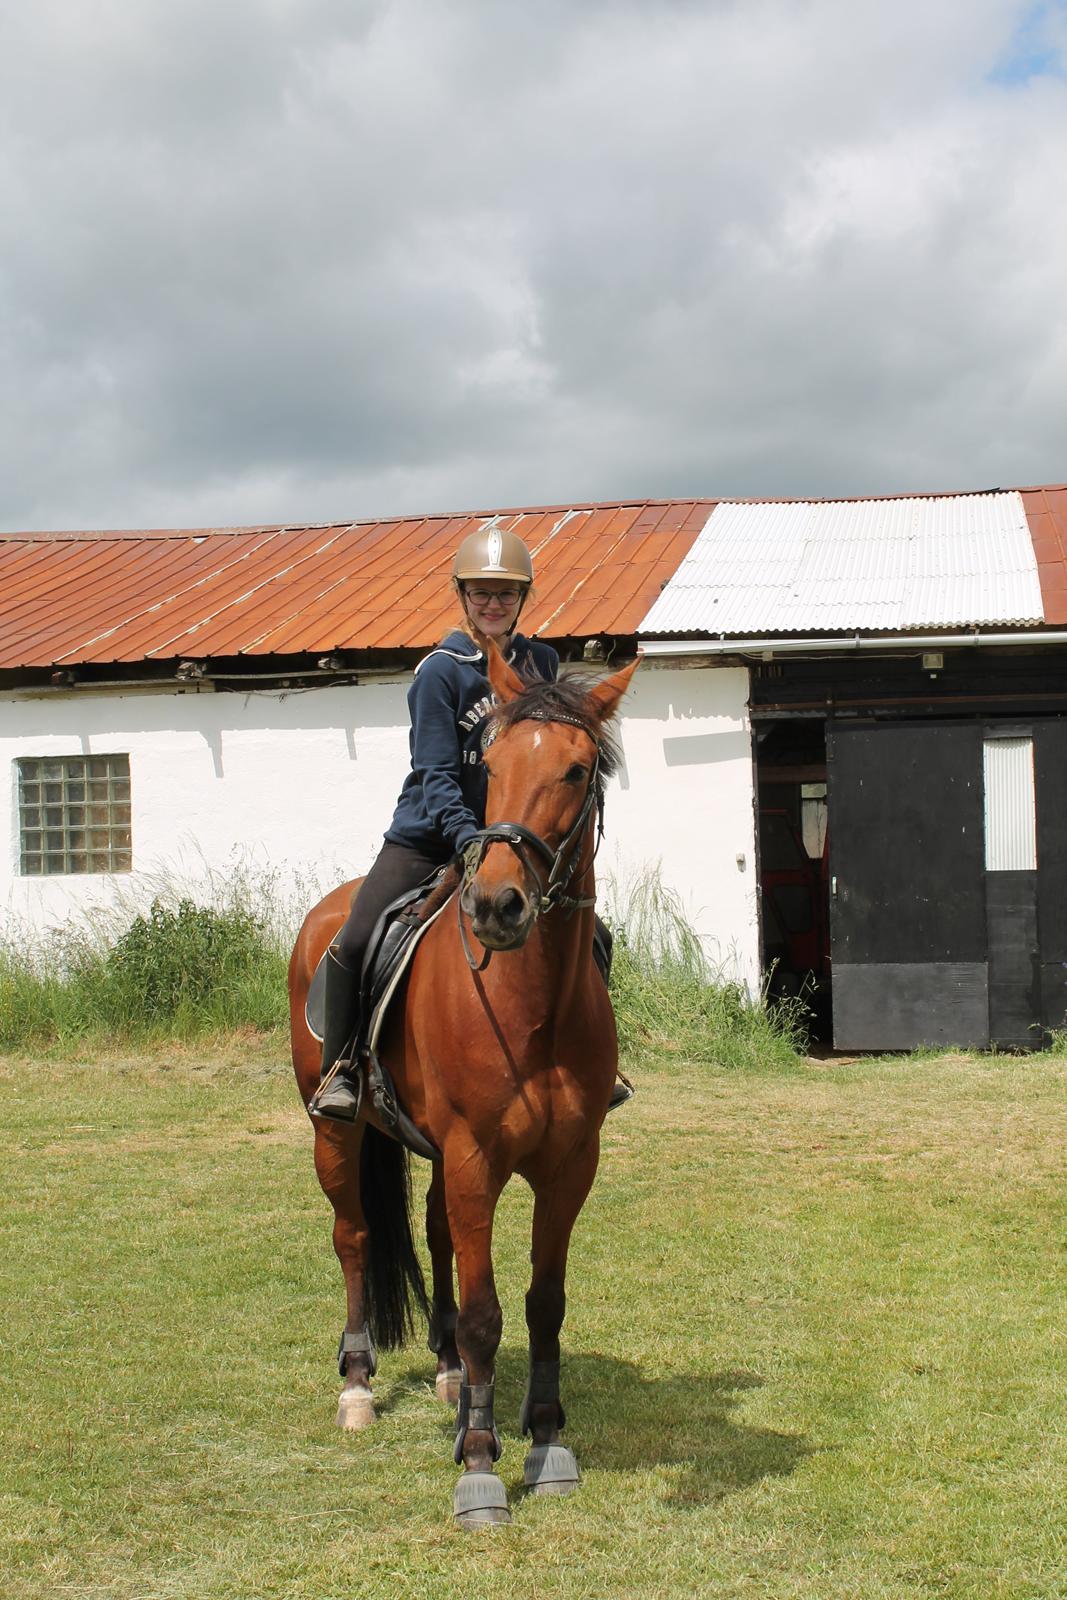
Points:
339	1098
602	947
602	944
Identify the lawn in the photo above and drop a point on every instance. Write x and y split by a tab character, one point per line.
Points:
816	1346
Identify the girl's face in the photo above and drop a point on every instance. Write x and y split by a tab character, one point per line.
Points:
493	604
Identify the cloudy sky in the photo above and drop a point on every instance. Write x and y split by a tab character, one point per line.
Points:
291	260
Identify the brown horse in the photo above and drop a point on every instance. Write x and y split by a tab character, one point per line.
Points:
507	1067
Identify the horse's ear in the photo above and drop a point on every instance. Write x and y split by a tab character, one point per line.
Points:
504	679
605	698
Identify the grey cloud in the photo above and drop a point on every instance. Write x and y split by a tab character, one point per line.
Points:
309	259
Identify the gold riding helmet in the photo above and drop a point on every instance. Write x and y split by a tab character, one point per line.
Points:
492	553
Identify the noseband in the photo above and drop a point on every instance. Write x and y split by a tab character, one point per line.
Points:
561	863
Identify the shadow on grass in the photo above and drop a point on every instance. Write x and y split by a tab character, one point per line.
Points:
624	1419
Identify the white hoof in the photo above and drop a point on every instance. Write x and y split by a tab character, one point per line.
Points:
355	1410
447	1387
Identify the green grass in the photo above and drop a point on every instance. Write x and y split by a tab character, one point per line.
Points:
814	1347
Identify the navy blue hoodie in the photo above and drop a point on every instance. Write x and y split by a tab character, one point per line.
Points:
442	803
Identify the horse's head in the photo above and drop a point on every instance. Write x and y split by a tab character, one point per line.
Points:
547	757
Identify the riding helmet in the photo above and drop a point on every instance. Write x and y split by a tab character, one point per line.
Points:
492	553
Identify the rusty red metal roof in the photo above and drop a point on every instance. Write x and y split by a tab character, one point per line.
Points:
1046	513
70	599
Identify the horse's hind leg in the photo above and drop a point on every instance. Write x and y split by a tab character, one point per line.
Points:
550	1467
444	1311
337	1164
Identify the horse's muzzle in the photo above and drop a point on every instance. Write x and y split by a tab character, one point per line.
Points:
502	918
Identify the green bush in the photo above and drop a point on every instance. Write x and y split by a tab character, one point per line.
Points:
176	958
182	969
177	971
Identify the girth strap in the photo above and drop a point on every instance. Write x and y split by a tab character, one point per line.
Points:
394	1118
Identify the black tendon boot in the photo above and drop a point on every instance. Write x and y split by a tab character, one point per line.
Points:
340	1091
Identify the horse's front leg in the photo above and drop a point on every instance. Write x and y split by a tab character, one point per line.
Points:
472	1192
444	1311
559	1195
337	1164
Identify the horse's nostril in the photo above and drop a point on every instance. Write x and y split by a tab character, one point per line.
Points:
510	905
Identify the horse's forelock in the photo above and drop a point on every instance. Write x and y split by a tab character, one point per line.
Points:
570	698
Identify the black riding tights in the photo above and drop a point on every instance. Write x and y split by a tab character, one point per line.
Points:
396	869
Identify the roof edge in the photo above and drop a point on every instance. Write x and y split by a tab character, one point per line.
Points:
247	529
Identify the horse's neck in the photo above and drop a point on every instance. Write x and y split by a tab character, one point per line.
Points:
559	952
546	977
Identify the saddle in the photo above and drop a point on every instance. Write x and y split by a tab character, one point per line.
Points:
389	953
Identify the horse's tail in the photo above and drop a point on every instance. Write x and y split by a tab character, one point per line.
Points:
393	1284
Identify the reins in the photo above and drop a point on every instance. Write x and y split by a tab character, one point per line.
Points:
561	863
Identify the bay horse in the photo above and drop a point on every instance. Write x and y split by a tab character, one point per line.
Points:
506	1064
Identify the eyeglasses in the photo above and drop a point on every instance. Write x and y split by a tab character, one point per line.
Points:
482	597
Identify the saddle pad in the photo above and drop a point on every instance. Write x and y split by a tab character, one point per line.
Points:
397	961
315	1004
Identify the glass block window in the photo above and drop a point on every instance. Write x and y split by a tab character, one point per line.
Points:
74	815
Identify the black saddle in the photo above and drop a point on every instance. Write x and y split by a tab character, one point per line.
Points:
385	962
386	951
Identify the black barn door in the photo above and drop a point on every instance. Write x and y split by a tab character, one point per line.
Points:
1050	764
907	885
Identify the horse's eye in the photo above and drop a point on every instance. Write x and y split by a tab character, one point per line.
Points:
574	774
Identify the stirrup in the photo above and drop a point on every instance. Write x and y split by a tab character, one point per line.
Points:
339	1095
623	1091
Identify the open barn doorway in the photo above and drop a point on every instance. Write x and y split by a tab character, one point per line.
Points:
793	866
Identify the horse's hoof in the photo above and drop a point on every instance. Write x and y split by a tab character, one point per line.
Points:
447	1387
550	1469
355	1410
480	1501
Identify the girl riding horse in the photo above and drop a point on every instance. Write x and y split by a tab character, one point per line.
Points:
442	803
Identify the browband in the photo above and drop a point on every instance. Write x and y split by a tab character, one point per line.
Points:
493	727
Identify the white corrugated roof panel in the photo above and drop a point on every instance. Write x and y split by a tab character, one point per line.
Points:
807	566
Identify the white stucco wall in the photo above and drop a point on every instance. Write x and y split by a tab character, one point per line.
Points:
302	784
684	802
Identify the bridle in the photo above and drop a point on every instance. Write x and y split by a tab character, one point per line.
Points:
562	863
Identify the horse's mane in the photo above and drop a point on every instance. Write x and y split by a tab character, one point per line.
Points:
568	699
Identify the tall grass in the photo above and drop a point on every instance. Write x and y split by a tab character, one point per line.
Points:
668	1000
210	959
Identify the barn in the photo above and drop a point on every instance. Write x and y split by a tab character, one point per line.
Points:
845	750
226	693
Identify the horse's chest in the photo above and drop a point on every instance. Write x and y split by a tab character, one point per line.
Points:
550	1110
